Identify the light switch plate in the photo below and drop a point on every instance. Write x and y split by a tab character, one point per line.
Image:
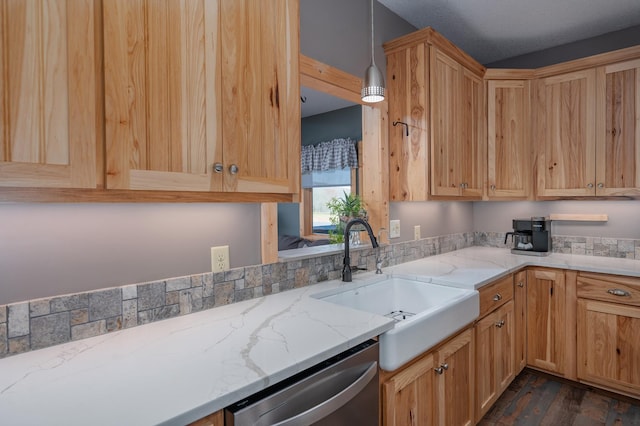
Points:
416	232
394	229
219	258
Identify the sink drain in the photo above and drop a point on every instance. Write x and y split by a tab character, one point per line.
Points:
399	315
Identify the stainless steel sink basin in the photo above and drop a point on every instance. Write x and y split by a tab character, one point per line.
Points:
425	313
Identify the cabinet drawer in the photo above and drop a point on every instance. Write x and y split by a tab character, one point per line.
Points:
495	294
609	288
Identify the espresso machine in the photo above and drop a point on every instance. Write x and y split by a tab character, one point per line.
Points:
531	236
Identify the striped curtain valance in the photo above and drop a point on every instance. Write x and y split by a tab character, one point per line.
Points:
331	155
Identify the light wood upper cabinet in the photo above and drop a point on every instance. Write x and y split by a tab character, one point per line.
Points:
407	83
589	133
566	132
261	95
618	129
202	95
438	91
49	113
508	147
546	319
457	123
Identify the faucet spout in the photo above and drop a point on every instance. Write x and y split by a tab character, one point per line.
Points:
346	268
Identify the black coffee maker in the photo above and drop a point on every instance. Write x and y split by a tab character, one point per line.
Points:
531	236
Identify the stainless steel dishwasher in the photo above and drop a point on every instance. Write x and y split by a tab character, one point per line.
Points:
342	390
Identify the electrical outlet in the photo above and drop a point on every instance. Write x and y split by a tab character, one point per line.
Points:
219	258
394	229
416	232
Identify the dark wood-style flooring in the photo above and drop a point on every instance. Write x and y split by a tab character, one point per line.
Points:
537	399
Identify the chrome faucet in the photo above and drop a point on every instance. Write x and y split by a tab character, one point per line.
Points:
346	268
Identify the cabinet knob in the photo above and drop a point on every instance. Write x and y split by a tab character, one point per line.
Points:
497	297
233	169
520	284
500	324
218	167
601	185
619	292
441	369
590	185
492	187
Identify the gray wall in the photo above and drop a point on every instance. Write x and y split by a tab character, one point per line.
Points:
53	249
434	217
341	123
337	32
624	217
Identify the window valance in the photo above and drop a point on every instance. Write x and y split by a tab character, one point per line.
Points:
331	155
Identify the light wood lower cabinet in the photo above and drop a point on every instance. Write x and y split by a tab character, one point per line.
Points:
520	319
215	419
495	356
546	319
436	389
608	326
495	362
407	396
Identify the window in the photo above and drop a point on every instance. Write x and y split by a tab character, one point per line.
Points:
318	188
325	185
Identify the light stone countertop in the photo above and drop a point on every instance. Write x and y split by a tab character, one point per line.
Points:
178	370
474	267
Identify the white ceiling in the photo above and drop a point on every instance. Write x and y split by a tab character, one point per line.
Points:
491	30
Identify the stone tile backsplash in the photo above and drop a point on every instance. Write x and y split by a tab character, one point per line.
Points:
40	323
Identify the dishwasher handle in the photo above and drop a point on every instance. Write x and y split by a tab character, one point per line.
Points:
332	404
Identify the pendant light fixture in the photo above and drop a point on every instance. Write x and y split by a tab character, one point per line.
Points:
373	83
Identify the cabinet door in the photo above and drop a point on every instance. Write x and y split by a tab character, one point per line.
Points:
565	130
49	114
457	128
407	397
546	320
520	320
408	103
261	95
495	361
470	154
445	96
455	385
508	149
202	95
162	94
608	348
618	134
